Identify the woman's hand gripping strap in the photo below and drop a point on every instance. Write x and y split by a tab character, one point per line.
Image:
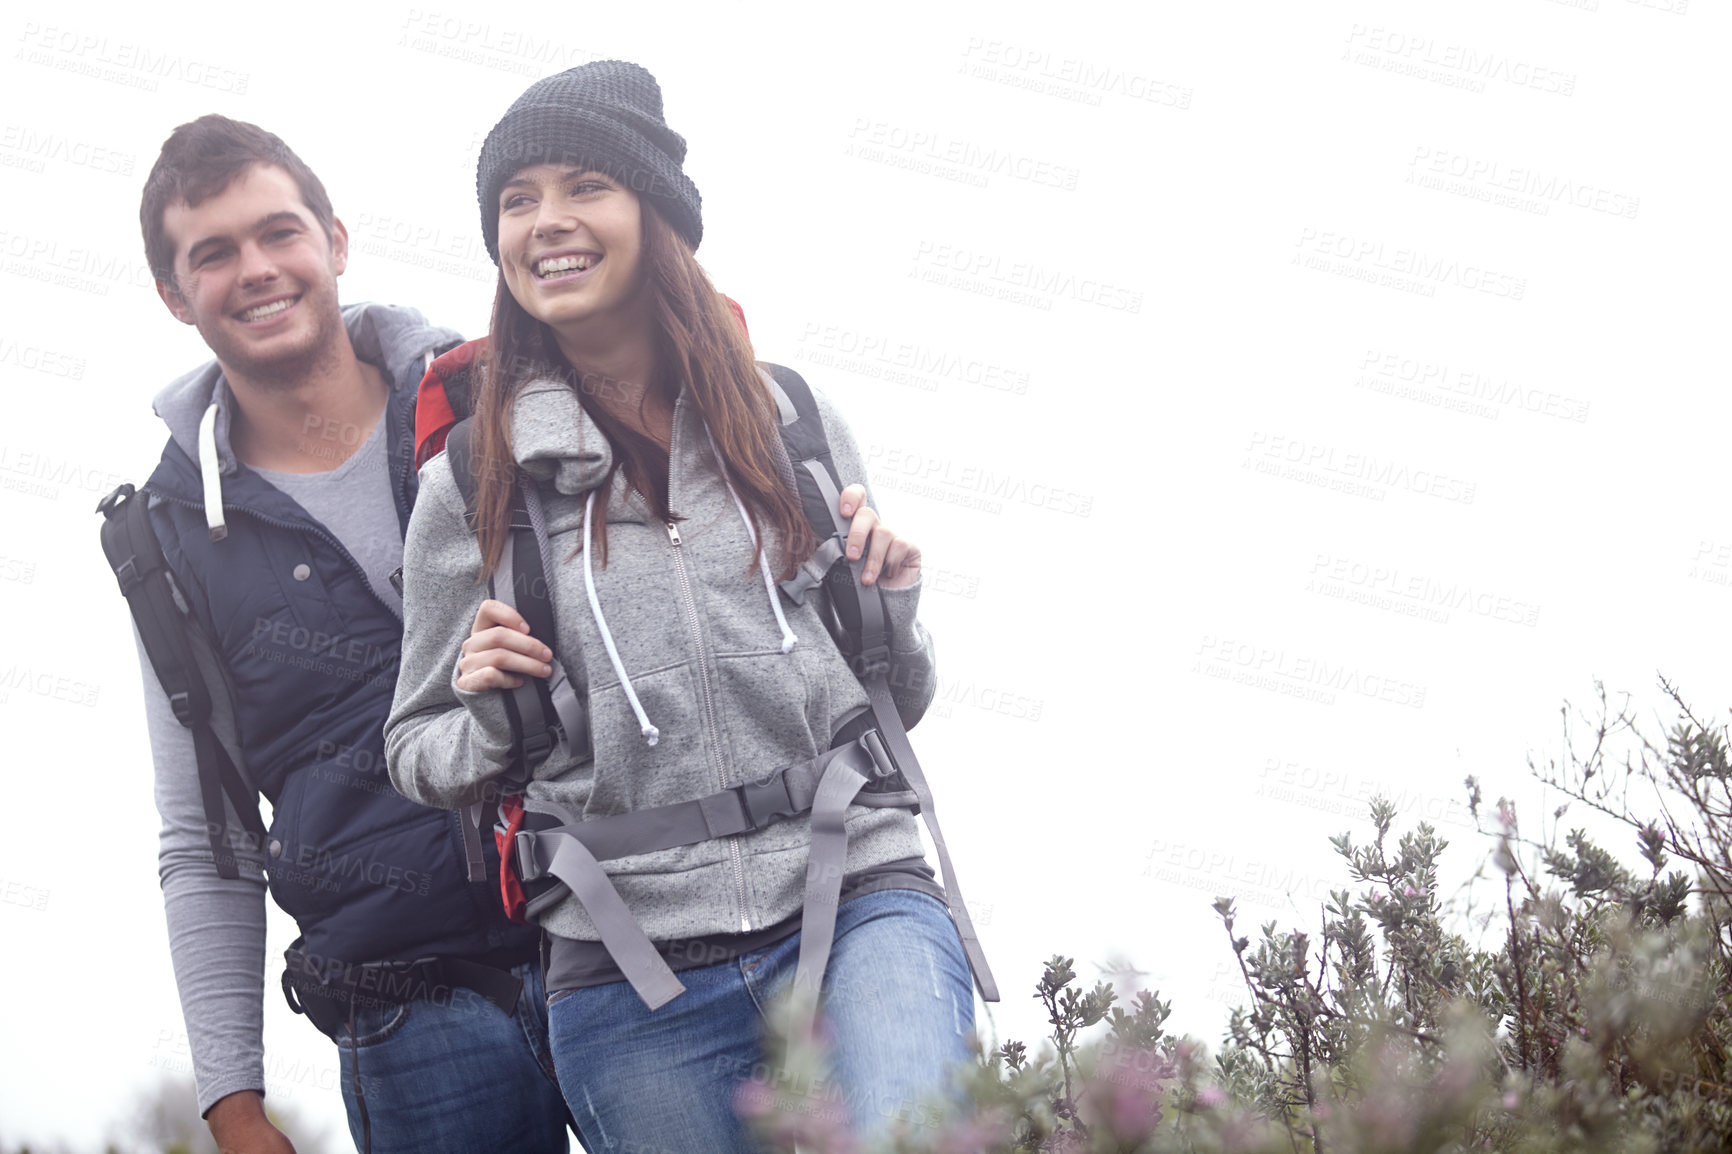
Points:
545	715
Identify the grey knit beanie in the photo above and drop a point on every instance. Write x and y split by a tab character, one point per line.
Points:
606	115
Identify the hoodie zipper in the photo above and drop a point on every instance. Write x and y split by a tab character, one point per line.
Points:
710	722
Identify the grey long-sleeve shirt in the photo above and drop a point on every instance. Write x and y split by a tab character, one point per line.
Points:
216	926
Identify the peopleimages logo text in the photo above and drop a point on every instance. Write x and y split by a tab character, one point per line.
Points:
1477	64
890	465
1085	76
1319	673
1024	275
1358	466
1411	262
39	145
1470	384
92	50
928	362
1522	180
942	148
1380	584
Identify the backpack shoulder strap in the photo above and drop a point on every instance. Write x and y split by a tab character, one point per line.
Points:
457	454
862	625
802	427
523	569
185	663
543	712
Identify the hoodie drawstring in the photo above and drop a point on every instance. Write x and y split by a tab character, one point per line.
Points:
210	467
788	638
650	733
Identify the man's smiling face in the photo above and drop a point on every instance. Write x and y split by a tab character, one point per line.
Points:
255	272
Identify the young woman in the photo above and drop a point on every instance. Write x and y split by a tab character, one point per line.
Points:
622	394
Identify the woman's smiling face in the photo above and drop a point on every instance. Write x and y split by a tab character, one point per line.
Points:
571	247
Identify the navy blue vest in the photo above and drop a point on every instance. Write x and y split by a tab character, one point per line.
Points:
313	653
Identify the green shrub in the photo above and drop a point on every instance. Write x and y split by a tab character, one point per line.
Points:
1600	1021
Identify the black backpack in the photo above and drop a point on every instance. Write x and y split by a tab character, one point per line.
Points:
186	663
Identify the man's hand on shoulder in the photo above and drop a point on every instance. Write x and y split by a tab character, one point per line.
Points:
239	1125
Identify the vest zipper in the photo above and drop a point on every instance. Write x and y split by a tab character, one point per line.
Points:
710	723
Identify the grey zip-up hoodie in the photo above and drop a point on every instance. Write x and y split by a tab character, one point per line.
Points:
707	671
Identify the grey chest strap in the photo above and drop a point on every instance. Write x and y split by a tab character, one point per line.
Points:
824	787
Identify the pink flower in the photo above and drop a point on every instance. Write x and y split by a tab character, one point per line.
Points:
1125	1094
1211	1096
968	1136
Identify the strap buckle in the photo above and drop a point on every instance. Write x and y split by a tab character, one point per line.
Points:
537	746
882	763
127	574
765	800
870	662
528	869
113	501
181	703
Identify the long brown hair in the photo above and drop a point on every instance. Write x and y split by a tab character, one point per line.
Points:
698	343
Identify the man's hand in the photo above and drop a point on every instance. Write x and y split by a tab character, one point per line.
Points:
239	1125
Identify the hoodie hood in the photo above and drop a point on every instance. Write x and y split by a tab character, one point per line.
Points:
395	339
555	441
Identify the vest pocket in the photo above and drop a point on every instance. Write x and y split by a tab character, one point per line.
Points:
366	874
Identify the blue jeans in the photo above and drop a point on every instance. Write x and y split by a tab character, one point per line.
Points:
898	1002
456	1074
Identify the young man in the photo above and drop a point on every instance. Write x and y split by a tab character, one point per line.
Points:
280	502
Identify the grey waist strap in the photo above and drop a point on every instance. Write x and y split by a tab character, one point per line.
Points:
825	862
625	940
785	793
825	785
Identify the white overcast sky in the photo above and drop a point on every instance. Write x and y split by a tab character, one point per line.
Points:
1292	401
